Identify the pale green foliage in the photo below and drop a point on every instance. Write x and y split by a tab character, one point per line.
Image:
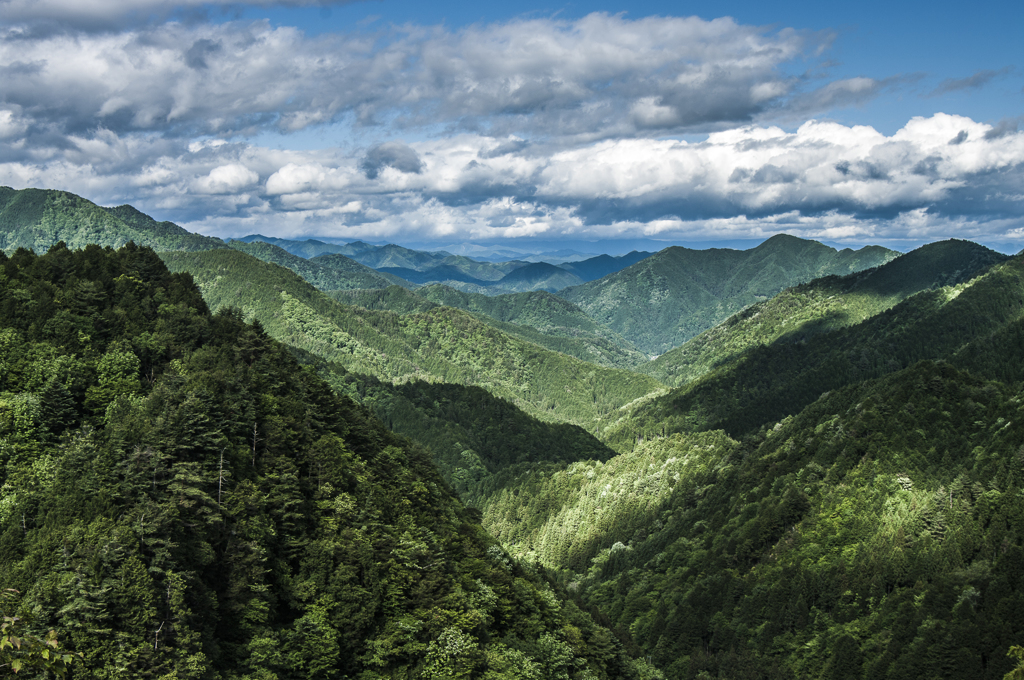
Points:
1016	652
22	649
452	655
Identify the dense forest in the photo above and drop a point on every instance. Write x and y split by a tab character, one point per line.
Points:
260	462
181	499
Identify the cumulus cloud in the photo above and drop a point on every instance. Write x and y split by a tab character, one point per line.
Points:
601	75
391	155
226	179
822	180
551	127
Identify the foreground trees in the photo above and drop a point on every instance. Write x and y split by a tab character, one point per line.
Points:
180	499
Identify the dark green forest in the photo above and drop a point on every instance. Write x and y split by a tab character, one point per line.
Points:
246	465
181	499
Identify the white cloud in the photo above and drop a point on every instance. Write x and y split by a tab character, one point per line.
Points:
226	179
823	180
599	75
549	127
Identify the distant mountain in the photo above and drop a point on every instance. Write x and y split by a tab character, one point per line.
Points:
603	265
670	297
327	272
560	256
39	218
536	317
307	248
396	256
538	309
823	305
536	276
434	267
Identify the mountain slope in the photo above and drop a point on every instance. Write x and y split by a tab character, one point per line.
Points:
598	267
537	276
540	310
441	344
37	219
825	304
193	504
875	534
672	296
470	433
769	382
584	340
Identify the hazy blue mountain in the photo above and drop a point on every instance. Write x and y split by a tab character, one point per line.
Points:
303	248
327	272
603	265
536	276
433	275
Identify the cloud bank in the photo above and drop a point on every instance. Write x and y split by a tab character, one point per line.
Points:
602	127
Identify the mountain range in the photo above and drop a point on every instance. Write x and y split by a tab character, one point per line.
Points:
239	461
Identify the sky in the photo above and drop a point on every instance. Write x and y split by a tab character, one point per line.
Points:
893	123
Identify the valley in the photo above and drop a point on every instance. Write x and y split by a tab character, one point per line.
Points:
312	459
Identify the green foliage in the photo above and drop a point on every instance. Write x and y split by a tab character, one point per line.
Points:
976	324
470	433
1016	652
537	317
674	295
823	305
228	515
878	533
37	219
442	344
20	648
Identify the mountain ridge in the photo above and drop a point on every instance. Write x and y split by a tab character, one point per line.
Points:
671	296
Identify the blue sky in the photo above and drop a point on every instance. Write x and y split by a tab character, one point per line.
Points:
440	123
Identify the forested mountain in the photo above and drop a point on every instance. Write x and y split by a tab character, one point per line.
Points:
39	218
540	318
471	433
832	489
771	381
442	343
540	310
328	272
307	248
537	276
598	267
877	534
873	532
431	266
182	500
670	297
826	304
